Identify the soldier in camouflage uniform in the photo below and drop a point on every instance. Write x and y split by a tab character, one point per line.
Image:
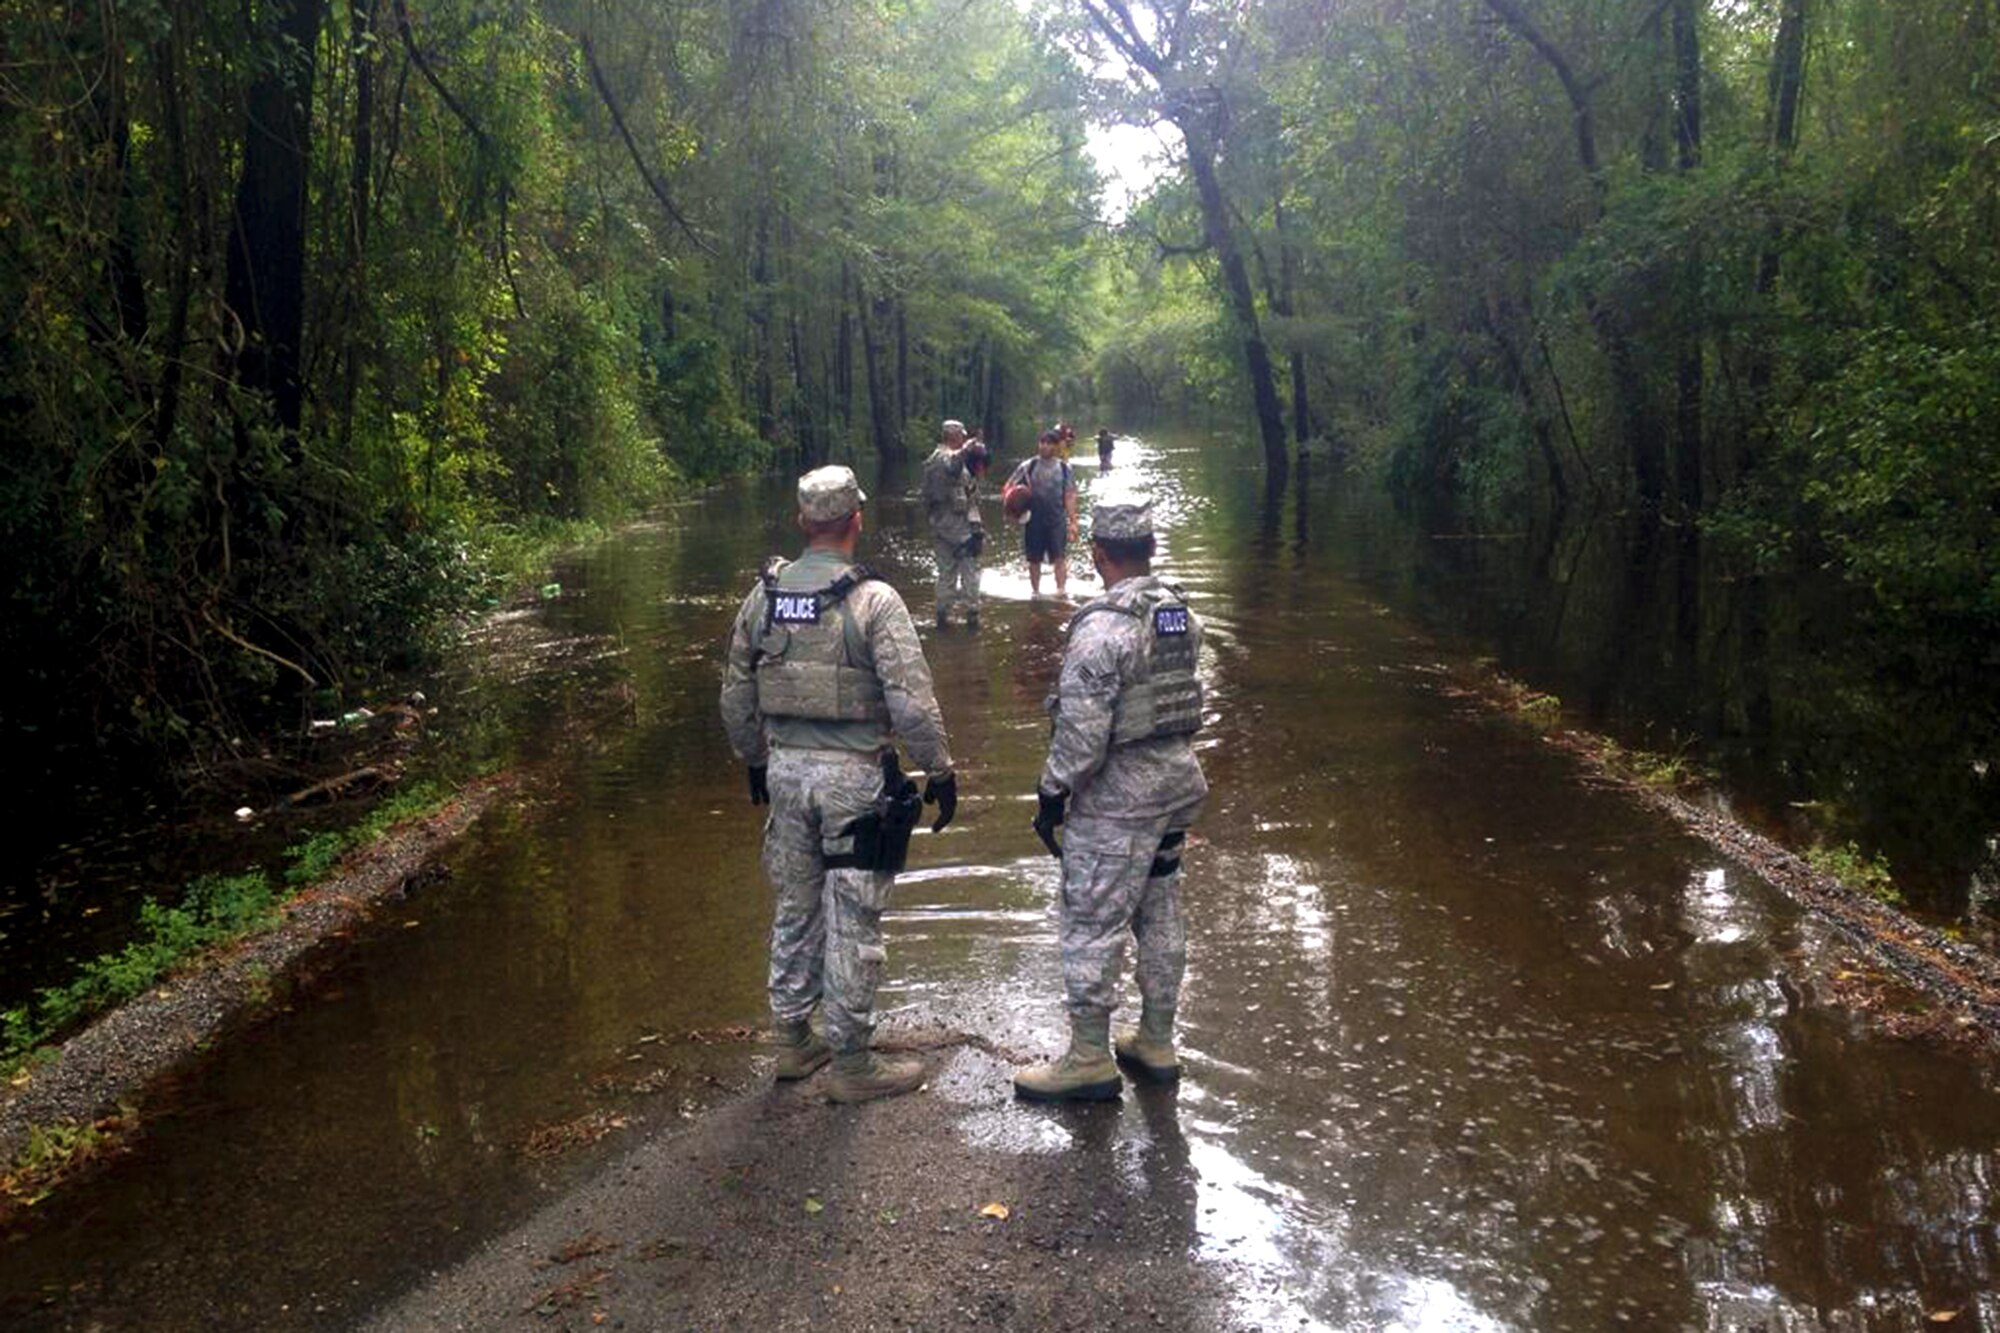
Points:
823	671
951	501
1123	782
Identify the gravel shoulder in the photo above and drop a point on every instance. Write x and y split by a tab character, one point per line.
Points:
111	1062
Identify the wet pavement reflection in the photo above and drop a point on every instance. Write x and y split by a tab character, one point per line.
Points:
1469	1042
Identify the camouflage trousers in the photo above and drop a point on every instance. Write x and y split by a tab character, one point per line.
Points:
1108	891
957	579
826	925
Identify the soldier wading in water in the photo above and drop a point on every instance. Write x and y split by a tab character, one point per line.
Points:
824	671
1123	782
958	534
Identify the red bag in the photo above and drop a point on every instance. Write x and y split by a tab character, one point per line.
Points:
1014	499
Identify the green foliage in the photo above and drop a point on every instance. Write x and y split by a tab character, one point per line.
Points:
51	1152
315	857
214	909
1901	457
541	287
1858	871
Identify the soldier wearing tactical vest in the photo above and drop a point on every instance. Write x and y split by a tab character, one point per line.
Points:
1123	783
824	673
958	535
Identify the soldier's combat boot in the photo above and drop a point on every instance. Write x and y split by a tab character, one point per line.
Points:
863	1076
800	1051
1147	1051
1084	1074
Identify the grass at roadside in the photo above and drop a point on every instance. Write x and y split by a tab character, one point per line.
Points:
213	911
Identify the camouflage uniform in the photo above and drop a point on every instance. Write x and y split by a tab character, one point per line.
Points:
1130	804
951	500
824	771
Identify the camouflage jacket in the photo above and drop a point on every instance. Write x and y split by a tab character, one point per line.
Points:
1141	780
951	496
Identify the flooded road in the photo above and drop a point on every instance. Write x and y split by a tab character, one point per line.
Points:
1469	1042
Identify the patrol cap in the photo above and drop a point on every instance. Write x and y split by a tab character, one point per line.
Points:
953	426
828	493
1122	517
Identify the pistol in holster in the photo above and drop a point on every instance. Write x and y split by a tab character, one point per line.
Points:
882	835
974	544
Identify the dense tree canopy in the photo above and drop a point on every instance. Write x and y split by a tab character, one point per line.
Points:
314	303
312	299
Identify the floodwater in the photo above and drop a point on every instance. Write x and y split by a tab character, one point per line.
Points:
1470	1042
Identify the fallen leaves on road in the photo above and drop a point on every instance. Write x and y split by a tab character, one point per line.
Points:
582	1247
549	1140
997	1211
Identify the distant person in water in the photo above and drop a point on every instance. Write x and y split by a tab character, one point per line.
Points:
1104	442
951	502
1051	492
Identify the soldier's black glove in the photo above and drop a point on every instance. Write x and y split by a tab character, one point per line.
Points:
1049	809
943	792
760	792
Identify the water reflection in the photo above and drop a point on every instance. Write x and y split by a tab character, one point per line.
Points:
1469	1044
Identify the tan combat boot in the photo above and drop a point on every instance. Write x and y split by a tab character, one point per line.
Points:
1084	1074
1147	1051
800	1051
863	1076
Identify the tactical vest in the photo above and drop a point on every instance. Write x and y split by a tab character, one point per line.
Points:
806	658
1166	698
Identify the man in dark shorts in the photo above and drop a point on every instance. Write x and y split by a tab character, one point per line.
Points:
1051	512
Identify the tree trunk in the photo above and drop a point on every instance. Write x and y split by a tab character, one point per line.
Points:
902	365
884	430
1688	372
360	204
762	375
1242	300
843	353
1787	90
265	286
182	246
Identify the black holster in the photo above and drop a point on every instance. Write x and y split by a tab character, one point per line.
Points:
974	544
882	836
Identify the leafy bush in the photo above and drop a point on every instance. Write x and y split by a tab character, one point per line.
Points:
1858	871
216	908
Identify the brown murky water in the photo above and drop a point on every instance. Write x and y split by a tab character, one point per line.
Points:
1470	1043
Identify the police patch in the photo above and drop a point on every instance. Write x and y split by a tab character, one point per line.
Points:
795	608
1170	621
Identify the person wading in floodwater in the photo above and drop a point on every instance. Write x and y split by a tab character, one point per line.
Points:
1051	498
958	535
823	670
1123	782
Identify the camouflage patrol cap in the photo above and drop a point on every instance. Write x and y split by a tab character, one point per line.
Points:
953	427
1123	519
828	493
